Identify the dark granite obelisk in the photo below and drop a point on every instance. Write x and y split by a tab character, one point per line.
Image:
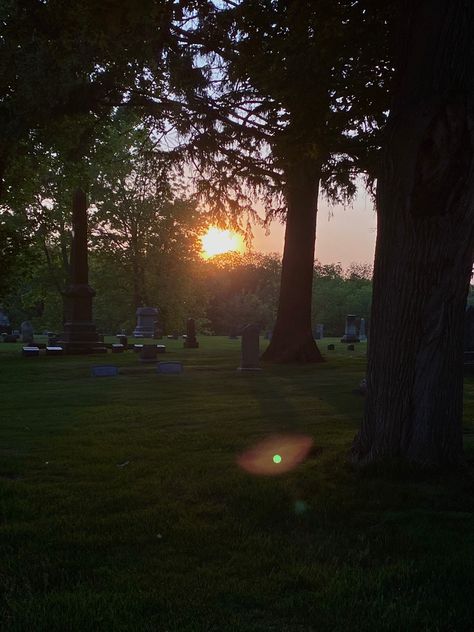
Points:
80	334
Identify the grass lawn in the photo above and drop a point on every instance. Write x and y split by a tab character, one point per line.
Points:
122	506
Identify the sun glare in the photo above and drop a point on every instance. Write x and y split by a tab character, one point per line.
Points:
217	242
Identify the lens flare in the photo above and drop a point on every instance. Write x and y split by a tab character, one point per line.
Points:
276	454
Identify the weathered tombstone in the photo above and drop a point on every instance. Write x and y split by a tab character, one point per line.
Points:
53	339
148	353
331	348
190	342
160	349
146	321
123	340
319	331
118	348
137	348
350	334
106	370
169	368
250	349
5	327
26	331
362	334
80	333
30	352
54	351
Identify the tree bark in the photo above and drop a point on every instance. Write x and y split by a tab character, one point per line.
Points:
424	250
292	339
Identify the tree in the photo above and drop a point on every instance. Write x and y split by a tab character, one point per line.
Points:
297	98
425	245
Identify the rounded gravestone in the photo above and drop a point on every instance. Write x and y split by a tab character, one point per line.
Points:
146	321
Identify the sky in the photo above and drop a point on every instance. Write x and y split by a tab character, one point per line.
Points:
347	236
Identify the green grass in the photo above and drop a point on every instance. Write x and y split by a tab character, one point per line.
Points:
180	538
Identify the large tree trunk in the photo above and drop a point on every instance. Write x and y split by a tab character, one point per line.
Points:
292	339
424	251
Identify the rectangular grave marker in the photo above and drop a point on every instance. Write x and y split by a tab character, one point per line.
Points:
104	371
169	368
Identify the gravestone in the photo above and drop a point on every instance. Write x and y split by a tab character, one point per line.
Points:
54	351
122	340
148	353
362	334
250	349
146	322
190	342
53	339
118	348
5	327
26	331
106	370
80	334
319	331
160	349
169	368
350	334
30	352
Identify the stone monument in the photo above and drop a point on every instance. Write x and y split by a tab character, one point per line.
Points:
362	334
191	342
26	329
146	321
350	334
80	334
250	358
5	327
319	331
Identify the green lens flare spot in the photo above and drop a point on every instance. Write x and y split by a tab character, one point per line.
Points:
277	458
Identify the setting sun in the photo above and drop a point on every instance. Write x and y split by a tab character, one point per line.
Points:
217	242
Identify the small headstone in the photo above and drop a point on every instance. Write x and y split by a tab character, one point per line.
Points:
146	322
26	331
122	340
170	368
160	349
190	342
53	339
4	322
54	351
148	353
175	336
105	370
250	349
137	348
29	352
118	348
16	332
350	334
362	334
319	331
331	348
170	336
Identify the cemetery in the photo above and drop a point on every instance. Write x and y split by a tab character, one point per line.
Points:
236	316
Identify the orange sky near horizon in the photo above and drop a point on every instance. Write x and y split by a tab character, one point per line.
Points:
347	236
